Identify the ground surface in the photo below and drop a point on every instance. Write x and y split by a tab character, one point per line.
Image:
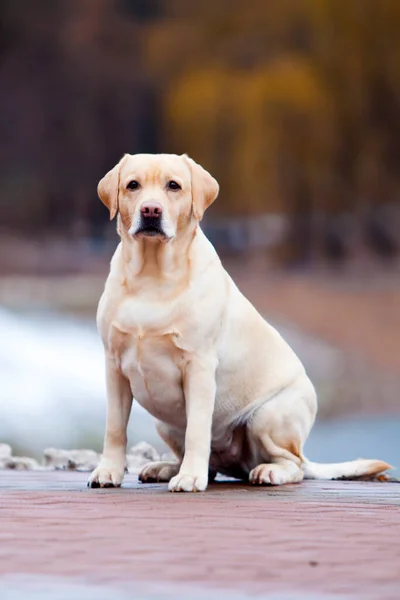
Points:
300	541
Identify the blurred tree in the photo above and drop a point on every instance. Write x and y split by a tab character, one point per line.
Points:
294	106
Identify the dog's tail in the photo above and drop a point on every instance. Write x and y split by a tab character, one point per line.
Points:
353	469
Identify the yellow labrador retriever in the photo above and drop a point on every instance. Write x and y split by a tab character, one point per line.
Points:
229	395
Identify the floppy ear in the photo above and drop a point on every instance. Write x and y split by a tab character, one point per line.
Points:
108	189
204	188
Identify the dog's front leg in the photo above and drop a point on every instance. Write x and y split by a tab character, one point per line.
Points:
111	469
199	389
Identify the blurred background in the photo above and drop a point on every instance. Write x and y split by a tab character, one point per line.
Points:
294	106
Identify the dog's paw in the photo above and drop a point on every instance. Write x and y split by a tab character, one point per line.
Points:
158	471
184	482
273	474
106	476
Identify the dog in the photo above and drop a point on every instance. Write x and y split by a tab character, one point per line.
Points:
229	394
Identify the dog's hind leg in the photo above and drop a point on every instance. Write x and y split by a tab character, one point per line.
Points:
163	471
279	429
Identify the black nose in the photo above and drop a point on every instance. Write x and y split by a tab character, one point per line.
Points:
151	210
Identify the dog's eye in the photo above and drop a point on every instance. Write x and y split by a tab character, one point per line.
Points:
133	185
172	185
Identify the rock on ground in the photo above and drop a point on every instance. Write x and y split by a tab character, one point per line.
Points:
78	459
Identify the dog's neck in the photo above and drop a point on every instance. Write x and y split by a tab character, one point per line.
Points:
165	262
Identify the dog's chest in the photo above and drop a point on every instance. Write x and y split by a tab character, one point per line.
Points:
145	345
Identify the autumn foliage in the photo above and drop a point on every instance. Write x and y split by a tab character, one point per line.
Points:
294	105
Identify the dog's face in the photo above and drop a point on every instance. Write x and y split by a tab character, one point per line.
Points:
157	195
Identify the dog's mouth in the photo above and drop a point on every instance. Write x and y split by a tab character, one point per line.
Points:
150	227
149	231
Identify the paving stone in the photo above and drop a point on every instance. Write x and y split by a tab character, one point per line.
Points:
335	537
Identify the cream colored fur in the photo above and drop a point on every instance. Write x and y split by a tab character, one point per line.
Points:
229	394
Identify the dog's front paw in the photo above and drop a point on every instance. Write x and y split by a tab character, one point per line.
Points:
106	475
183	482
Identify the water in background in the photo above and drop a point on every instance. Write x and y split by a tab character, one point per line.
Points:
52	392
52	384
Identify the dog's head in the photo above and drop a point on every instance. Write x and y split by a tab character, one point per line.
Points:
157	195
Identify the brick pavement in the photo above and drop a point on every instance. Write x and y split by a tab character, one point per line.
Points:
313	538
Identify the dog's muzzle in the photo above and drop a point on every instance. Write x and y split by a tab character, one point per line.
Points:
151	220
